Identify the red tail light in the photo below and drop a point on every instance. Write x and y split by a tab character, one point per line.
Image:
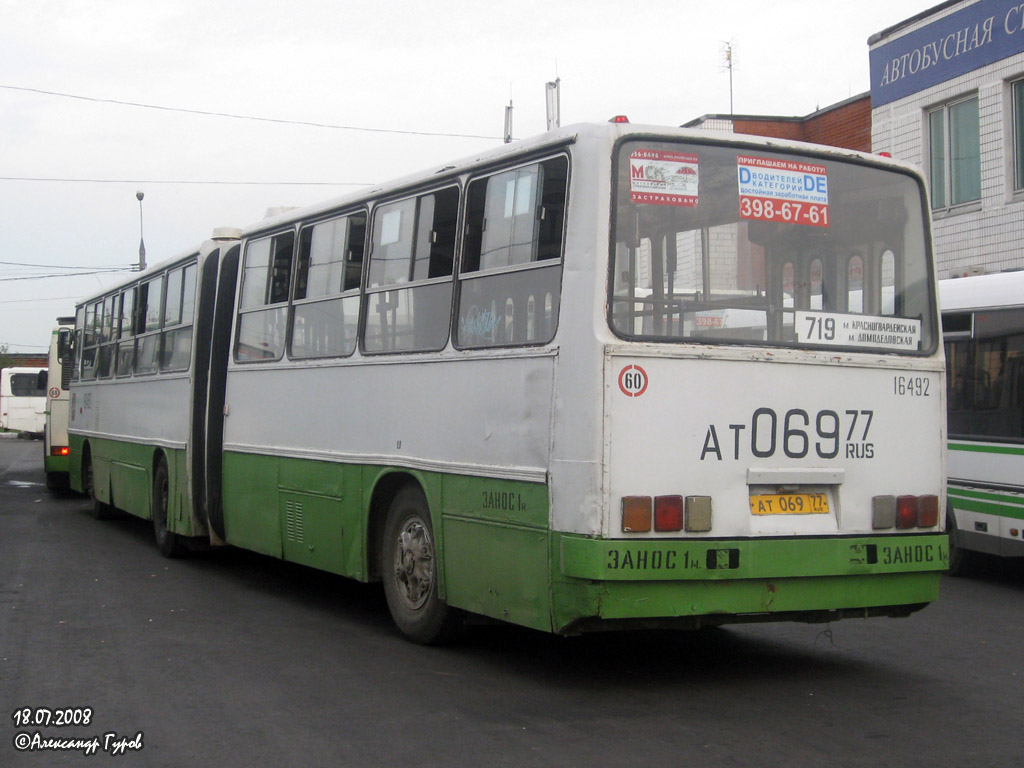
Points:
59	450
928	516
907	509
668	513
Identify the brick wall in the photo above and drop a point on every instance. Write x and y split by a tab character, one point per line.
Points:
846	125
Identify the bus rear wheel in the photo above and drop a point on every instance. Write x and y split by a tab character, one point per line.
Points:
408	568
100	509
170	544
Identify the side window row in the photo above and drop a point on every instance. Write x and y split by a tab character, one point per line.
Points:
144	328
509	279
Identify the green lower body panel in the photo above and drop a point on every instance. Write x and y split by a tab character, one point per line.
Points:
56	464
123	477
716	582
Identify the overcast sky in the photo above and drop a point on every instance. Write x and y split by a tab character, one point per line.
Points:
74	150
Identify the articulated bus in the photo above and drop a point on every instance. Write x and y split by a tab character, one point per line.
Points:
56	453
610	377
983	326
23	400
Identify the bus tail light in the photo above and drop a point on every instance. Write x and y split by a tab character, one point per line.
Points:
60	450
883	512
668	513
636	514
698	514
928	515
902	512
907	508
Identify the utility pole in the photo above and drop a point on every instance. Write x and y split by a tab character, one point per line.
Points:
142	242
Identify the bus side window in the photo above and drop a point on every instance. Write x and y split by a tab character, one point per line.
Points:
126	332
263	300
325	315
179	311
510	279
409	283
149	315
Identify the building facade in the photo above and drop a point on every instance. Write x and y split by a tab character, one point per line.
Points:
947	94
846	124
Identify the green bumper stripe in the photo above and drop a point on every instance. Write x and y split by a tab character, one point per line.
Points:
988	502
661	600
675	560
1012	450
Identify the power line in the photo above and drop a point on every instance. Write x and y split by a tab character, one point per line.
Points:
69	274
60	266
233	116
39	301
190	181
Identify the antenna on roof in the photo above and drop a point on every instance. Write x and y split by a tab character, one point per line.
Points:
508	122
727	64
554	103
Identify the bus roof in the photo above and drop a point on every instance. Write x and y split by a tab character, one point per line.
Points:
1001	289
606	133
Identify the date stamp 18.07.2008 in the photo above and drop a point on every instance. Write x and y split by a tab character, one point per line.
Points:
30	738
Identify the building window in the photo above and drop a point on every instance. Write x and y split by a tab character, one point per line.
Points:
1018	134
955	153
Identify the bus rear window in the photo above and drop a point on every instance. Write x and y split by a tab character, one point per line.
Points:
719	244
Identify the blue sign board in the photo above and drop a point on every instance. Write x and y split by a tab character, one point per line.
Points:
980	34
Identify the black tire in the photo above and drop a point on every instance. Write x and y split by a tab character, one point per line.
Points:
961	561
100	509
170	544
408	568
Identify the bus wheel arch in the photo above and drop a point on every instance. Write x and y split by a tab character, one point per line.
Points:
169	543
407	560
961	561
100	509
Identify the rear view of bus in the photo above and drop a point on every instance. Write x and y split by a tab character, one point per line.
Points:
774	409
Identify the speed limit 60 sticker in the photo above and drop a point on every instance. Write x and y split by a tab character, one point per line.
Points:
633	381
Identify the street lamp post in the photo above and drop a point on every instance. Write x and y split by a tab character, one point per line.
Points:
142	242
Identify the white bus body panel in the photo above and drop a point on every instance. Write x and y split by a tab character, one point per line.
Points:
700	419
145	410
21	414
488	415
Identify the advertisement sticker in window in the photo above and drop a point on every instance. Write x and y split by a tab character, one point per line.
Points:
783	190
663	178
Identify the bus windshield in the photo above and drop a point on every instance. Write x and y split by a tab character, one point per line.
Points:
734	244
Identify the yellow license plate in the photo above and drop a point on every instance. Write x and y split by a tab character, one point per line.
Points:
789	504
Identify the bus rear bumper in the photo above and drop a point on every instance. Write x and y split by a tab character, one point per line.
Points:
611	583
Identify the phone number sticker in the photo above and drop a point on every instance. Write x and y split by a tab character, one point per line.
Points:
783	190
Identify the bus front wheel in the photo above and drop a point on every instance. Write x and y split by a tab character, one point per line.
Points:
408	567
169	543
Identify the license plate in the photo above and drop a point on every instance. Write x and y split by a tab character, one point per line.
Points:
789	504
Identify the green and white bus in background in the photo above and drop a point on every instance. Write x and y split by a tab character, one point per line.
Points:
613	376
983	325
56	454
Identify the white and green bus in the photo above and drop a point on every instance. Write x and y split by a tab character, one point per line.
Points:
613	376
56	453
983	325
